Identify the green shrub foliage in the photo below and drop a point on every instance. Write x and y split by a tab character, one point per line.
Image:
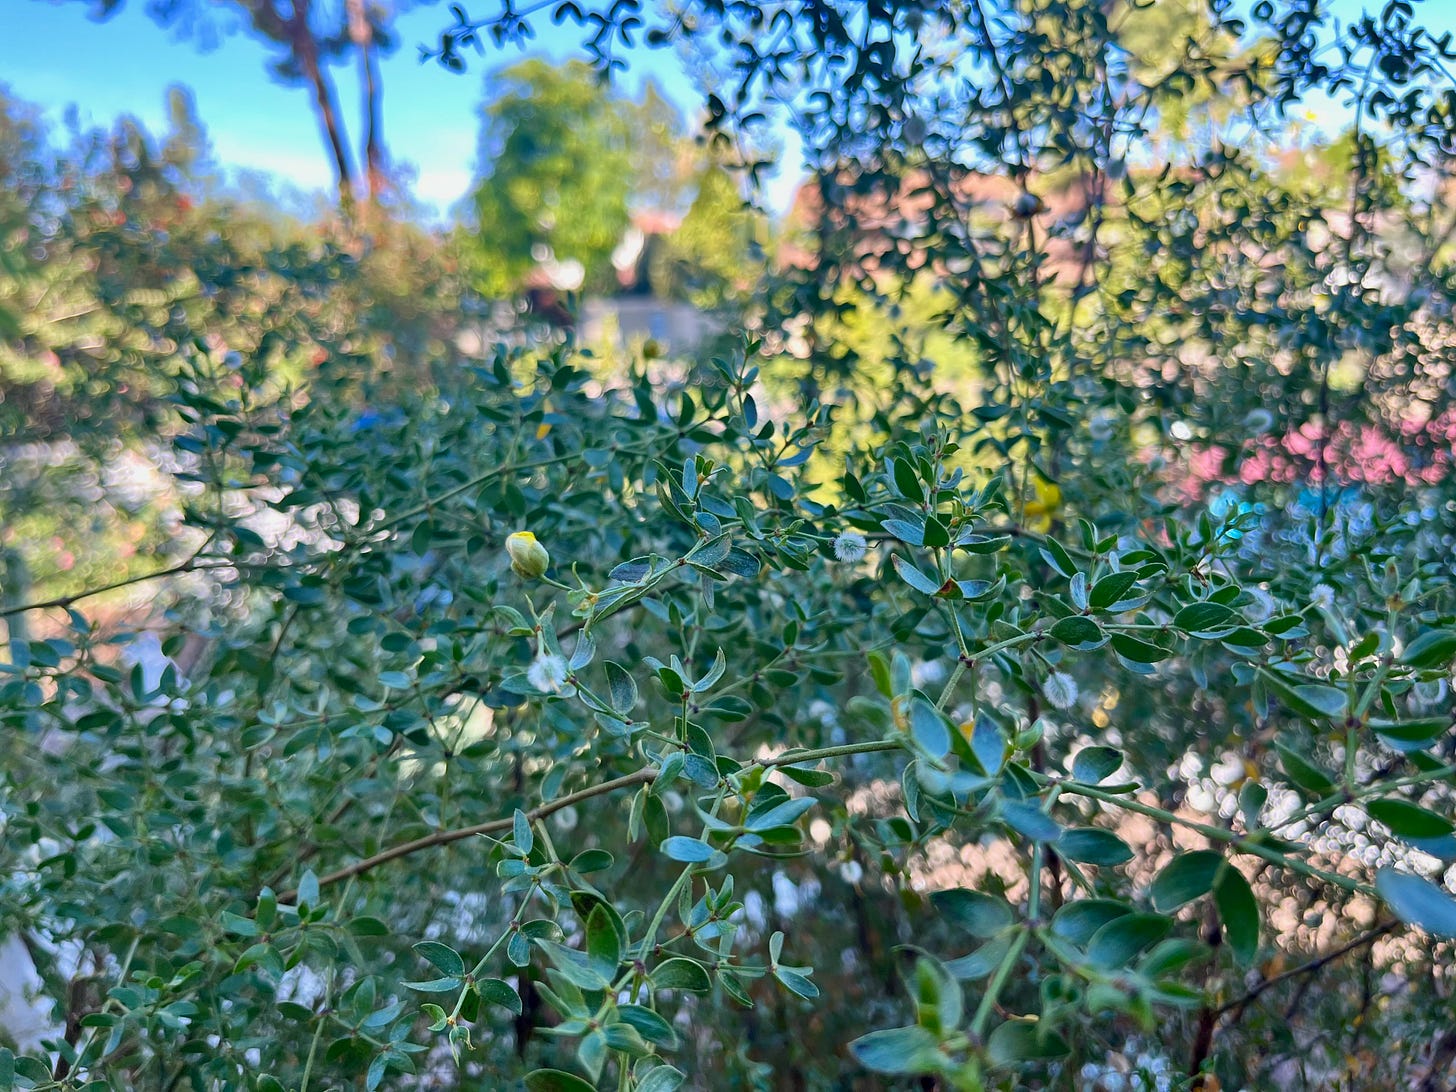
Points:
1018	654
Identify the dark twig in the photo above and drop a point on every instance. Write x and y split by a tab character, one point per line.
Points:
1314	966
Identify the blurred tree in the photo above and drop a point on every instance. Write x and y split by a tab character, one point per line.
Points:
128	271
710	258
304	38
563	159
187	146
666	162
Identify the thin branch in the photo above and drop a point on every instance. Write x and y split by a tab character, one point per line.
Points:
195	563
1370	936
1252	845
445	837
642	776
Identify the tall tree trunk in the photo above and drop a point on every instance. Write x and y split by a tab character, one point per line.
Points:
305	50
361	31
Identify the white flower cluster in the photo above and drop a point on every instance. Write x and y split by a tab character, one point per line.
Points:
850	547
1263	606
548	673
1060	690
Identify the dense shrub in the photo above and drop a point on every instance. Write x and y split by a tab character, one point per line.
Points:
1082	716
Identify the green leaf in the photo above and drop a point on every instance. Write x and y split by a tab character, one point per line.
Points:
1018	1041
624	1037
556	1080
810	778
981	962
1324	700
662	1078
442	956
1077	589
238	925
988	745
1290	624
436	985
1169	955
1414	731
1095	764
1417	901
1245	637
630	572
1057	557
796	981
681	973
521	836
1302	772
976	912
308	889
1121	939
1252	798
880	672
929	728
914	577
1078	632
651	1026
1408	820
907	481
1185	878
1198	618
782	814
1138	651
498	992
575	966
937	996
1111	589
1030	821
687	850
1239	912
739	563
936	534
903	1052
621	689
603	946
1093	845
1307	699
591	860
1434	648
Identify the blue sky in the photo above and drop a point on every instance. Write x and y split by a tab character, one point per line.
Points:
53	55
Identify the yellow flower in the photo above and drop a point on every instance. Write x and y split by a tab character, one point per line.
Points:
529	559
1046	500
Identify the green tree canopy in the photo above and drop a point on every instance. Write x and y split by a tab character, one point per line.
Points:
565	159
557	175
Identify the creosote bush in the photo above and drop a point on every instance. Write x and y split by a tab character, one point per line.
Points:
737	721
431	797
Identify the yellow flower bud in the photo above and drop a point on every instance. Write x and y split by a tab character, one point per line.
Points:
1040	509
529	559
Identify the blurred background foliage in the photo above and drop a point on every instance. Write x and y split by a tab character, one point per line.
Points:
1087	395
